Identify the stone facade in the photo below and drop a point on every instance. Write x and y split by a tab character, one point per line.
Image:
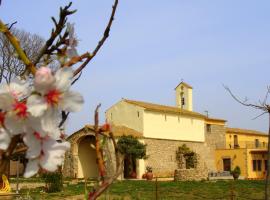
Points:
71	162
198	173
213	137
162	153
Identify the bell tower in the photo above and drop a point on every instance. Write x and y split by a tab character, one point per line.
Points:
183	93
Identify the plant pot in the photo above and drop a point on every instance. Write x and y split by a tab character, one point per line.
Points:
133	175
235	176
149	176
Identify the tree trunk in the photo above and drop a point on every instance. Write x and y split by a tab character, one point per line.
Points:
267	179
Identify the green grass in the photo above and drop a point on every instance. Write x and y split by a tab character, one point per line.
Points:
244	190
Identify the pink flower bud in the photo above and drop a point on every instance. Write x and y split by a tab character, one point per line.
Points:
43	79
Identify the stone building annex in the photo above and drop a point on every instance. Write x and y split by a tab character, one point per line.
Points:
162	128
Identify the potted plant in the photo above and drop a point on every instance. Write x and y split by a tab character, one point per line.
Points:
149	173
236	172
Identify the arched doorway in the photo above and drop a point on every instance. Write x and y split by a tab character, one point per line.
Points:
87	166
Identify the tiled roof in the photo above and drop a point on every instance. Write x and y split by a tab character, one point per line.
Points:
185	84
163	108
116	130
244	131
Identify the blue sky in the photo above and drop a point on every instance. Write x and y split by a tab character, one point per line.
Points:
155	44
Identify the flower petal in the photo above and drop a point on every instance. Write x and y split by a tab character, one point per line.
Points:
54	154
71	101
6	101
36	105
14	125
63	78
4	139
19	88
31	168
50	122
33	144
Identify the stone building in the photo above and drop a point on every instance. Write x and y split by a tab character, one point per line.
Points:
165	128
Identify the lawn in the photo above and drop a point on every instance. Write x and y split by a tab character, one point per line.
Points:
129	189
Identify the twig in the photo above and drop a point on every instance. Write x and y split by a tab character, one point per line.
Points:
12	25
15	43
259	115
244	102
77	59
98	191
58	29
76	79
101	42
100	161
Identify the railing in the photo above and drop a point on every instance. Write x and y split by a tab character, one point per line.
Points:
243	144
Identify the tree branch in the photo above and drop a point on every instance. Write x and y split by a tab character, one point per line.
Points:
244	102
101	42
15	43
57	31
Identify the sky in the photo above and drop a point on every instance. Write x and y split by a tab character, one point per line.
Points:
155	44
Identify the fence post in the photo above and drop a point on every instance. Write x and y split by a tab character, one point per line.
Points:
156	188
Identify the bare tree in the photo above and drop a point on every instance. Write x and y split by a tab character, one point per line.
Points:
10	65
263	106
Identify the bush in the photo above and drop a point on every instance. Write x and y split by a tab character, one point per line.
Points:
53	181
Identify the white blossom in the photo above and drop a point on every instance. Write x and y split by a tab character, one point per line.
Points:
43	152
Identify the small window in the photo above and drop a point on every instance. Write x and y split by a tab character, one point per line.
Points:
183	101
257	143
208	128
254	165
265	165
259	162
235	141
111	116
138	113
165	117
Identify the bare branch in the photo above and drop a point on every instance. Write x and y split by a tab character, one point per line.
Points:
101	42
76	79
245	101
16	44
259	115
12	25
57	31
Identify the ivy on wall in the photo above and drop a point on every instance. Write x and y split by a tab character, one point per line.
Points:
186	158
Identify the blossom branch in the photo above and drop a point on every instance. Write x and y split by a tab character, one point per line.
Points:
101	42
100	161
106	183
16	44
77	59
56	32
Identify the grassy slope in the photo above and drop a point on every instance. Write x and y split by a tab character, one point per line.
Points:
167	190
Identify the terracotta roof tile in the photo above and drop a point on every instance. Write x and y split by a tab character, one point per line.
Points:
244	131
163	108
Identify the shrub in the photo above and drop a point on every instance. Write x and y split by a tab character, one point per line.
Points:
53	181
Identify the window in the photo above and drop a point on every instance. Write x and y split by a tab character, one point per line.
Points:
165	117
226	164
208	128
254	165
138	113
265	165
257	143
183	101
111	116
259	164
235	141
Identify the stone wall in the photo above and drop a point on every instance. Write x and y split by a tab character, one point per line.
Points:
162	155
213	138
198	173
